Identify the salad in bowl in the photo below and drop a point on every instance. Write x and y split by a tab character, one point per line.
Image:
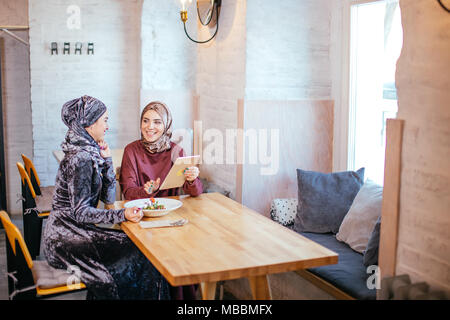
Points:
155	207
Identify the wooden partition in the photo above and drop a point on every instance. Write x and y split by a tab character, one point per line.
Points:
305	141
391	198
291	134
240	150
197	139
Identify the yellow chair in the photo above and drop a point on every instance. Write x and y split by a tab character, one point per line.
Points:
44	192
41	202
35	181
31	279
34	209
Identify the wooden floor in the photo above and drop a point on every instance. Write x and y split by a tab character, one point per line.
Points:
17	220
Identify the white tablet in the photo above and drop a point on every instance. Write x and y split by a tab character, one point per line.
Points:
175	178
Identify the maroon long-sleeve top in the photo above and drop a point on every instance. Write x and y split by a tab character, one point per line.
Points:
139	166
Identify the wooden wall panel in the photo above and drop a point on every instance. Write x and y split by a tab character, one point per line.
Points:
197	142
13	13
305	141
216	117
239	150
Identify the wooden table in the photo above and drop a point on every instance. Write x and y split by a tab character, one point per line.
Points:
224	240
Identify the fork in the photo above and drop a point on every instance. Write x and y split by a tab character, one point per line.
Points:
179	222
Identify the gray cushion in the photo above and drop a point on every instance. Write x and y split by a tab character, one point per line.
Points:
324	199
46	277
371	253
358	223
349	274
44	201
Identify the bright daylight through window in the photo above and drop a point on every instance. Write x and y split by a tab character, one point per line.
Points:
375	45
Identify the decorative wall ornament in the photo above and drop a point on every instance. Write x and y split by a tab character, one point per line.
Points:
90	49
66	48
54	48
78	47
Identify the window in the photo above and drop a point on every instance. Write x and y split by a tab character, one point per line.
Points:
375	45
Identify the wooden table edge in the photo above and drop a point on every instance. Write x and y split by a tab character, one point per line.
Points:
257	277
232	274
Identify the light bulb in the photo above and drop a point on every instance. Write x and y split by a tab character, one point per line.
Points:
183	4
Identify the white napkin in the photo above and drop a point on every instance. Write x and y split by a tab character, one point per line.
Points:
162	223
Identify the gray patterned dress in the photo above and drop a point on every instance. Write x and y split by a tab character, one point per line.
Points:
110	265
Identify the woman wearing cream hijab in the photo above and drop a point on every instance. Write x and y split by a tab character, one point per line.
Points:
146	163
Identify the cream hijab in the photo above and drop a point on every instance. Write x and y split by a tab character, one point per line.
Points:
163	143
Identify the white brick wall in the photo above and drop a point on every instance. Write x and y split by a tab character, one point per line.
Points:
139	59
168	56
168	60
112	74
423	83
271	51
221	80
288	49
264	50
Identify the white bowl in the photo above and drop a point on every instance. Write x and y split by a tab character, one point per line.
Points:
169	204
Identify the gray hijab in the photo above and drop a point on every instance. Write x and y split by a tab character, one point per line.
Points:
77	114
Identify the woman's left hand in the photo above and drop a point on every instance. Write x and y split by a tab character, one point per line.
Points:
191	173
105	151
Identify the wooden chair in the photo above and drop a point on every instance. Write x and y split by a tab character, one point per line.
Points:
35	208
28	279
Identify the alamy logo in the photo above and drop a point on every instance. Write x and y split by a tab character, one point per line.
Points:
73	281
373	281
259	147
74	19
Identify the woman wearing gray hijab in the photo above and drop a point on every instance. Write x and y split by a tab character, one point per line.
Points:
109	264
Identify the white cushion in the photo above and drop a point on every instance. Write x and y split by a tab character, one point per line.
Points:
44	201
358	223
283	211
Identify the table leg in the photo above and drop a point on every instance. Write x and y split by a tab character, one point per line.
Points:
260	287
208	290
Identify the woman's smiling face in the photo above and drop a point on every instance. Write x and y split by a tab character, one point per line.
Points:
152	126
99	128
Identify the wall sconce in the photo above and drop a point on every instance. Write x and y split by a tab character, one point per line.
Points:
445	7
205	12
